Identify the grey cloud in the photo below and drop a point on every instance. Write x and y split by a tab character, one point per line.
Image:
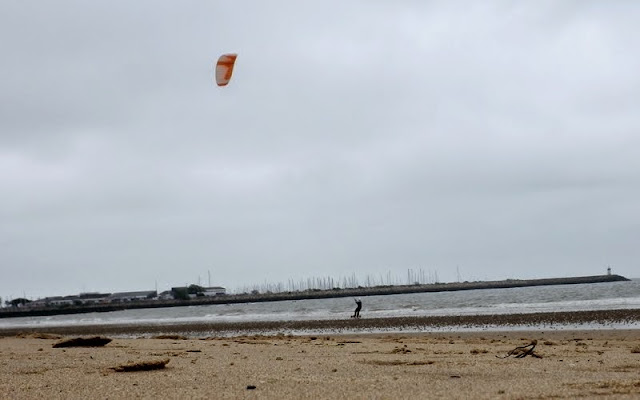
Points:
360	137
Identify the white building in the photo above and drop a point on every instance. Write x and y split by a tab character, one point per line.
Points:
214	291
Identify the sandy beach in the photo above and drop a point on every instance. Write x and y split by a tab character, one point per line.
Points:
572	364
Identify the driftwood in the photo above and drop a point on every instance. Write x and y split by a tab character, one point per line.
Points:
95	341
523	351
141	366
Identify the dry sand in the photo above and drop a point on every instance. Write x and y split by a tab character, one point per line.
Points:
574	364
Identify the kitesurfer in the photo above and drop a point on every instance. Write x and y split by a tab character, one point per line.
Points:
356	314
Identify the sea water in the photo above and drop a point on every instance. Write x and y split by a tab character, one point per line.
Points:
584	297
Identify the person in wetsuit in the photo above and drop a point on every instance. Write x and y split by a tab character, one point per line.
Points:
356	314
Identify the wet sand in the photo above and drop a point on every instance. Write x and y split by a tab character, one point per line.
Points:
550	320
574	364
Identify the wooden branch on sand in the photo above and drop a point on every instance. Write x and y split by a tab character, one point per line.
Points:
141	366
523	351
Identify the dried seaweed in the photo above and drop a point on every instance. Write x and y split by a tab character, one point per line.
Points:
172	337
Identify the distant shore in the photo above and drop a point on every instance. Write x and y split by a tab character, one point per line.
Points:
551	320
15	312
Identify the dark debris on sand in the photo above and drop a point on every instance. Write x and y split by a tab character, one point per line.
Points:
141	366
96	341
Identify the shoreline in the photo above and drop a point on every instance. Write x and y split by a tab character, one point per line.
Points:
625	318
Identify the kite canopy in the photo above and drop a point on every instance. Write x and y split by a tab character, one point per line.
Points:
224	68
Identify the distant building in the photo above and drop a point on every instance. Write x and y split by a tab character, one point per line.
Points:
124	297
193	291
73	300
93	295
94	298
37	303
91	298
166	295
60	300
214	291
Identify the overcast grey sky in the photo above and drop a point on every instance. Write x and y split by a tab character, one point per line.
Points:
495	139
